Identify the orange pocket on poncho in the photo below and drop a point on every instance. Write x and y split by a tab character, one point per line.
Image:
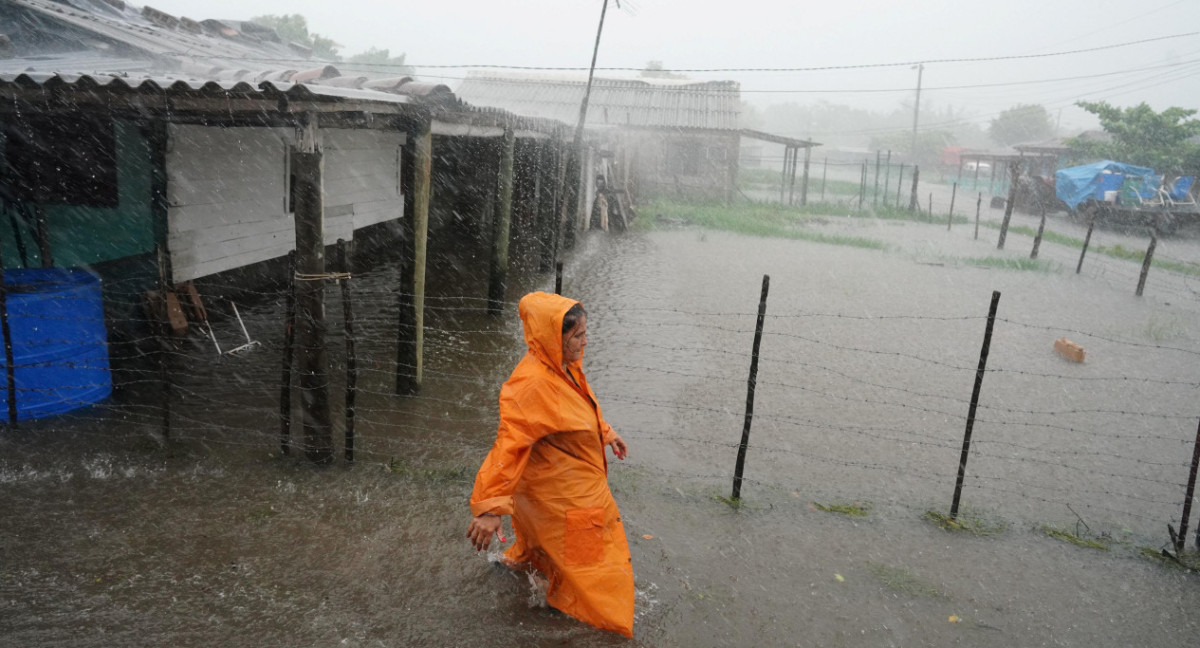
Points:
584	536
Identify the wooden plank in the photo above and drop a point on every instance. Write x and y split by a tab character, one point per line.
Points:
213	266
224	235
181	192
186	218
239	253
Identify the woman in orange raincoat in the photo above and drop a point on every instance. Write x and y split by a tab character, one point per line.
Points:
547	469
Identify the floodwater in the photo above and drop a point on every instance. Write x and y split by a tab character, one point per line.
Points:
867	365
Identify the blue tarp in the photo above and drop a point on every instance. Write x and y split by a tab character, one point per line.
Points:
1089	182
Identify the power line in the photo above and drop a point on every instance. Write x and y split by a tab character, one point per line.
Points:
982	59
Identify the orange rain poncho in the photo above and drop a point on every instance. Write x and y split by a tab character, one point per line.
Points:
547	469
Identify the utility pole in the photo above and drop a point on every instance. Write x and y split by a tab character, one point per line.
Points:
580	204
917	109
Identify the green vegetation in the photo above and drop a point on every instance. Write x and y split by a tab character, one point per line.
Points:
1188	560
1141	136
1009	264
1067	536
853	510
901	580
756	219
964	523
1116	251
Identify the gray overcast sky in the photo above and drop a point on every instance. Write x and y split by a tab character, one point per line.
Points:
791	33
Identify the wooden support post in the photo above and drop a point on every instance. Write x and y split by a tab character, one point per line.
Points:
824	174
966	448
418	157
887	177
931	206
1037	240
913	204
1014	169
787	158
1148	260
560	204
875	194
501	226
164	344
792	176
545	200
862	184
346	262
978	205
558	277
758	330
313	357
950	217
289	341
899	184
804	180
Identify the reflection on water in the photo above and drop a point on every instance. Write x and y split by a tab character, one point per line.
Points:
867	365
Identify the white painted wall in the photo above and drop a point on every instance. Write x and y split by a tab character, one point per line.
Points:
227	192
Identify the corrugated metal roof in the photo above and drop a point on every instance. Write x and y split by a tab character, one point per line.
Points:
126	50
655	103
167	85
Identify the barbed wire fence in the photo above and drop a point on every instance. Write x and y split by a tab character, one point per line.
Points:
847	407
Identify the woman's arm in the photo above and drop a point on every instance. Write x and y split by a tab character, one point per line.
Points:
481	530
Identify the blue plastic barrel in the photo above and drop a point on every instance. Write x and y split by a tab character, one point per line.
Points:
60	347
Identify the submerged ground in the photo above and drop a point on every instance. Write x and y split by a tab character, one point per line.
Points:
867	366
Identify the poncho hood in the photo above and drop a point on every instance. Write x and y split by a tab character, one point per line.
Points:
542	316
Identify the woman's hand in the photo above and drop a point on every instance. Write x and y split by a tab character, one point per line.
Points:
618	447
481	530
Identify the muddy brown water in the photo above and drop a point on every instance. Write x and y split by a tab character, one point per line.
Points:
866	370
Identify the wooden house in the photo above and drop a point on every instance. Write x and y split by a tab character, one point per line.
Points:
156	150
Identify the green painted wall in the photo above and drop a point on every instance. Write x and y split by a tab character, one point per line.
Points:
82	236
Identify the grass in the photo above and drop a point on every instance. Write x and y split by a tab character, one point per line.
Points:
853	510
1114	251
775	220
756	219
1009	264
966	524
1066	536
1188	560
901	580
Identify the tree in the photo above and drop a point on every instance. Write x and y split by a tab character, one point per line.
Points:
1021	123
1162	141
382	60
294	28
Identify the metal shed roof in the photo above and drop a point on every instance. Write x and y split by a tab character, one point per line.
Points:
613	102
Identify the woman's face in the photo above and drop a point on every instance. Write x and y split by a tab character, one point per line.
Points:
575	341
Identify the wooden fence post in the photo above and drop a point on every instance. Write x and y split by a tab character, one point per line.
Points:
1037	240
289	340
914	204
966	448
310	294
1148	260
758	329
501	226
346	252
1014	169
